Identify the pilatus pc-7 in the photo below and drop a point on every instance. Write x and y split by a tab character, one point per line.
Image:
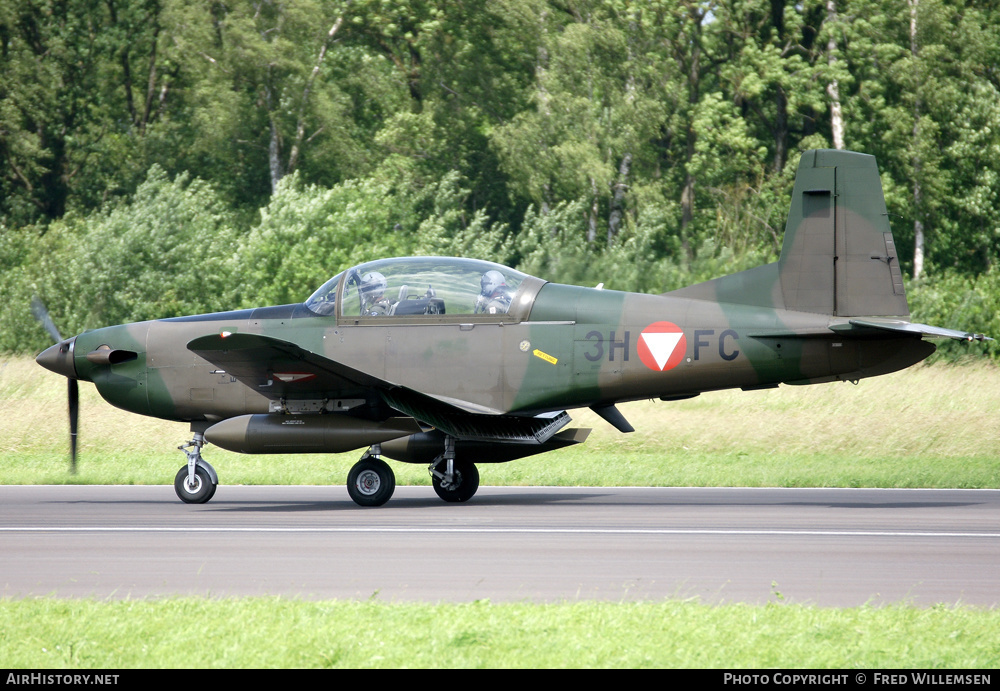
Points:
454	362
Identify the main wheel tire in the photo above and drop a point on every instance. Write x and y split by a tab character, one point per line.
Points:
197	492
371	482
465	485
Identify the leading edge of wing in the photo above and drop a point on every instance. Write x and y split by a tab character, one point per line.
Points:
277	368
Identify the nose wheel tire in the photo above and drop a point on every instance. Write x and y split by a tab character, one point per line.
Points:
462	487
371	482
196	491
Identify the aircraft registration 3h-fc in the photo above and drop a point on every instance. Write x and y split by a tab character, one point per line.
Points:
455	362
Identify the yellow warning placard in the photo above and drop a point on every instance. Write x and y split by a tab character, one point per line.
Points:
545	356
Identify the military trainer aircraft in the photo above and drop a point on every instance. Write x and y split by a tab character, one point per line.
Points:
451	362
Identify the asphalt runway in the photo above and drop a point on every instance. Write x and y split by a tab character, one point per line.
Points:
828	547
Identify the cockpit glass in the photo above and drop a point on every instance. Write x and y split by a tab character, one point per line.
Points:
420	286
324	301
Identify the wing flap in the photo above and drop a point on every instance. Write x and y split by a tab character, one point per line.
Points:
511	429
425	447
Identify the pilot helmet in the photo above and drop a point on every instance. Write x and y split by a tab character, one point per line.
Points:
491	281
373	285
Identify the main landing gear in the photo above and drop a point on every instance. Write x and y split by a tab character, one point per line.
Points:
455	480
371	481
196	482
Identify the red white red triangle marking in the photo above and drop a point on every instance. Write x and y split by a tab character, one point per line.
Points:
661	346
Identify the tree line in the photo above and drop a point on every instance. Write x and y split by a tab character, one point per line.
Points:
169	156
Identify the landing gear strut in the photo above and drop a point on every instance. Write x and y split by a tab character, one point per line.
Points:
371	481
196	482
454	480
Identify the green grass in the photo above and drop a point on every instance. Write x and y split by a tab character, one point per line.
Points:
923	427
268	632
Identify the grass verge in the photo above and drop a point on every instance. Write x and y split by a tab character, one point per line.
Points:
275	633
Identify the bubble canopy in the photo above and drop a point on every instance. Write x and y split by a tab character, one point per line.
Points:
421	286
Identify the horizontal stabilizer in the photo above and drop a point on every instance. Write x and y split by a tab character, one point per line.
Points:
859	328
898	326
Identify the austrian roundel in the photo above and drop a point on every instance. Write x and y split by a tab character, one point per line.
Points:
661	346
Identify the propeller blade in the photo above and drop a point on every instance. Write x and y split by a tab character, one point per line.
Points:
74	419
42	315
39	311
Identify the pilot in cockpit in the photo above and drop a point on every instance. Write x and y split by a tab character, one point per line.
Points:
495	296
372	292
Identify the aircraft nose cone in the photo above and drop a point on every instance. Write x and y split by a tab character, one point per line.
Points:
59	358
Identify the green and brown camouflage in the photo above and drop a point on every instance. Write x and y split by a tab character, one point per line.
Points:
452	362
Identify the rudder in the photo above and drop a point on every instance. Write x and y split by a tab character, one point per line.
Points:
838	255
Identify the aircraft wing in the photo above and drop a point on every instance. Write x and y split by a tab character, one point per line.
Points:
279	369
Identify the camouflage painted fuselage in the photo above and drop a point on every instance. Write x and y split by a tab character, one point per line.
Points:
578	347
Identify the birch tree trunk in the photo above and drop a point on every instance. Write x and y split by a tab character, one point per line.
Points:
833	89
300	127
918	224
618	198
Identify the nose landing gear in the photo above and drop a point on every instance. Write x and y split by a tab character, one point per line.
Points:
196	482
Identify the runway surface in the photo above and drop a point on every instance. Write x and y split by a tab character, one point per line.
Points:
829	547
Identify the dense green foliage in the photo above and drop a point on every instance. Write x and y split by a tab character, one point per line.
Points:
163	156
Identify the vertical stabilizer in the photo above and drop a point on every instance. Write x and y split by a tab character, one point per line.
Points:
838	255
